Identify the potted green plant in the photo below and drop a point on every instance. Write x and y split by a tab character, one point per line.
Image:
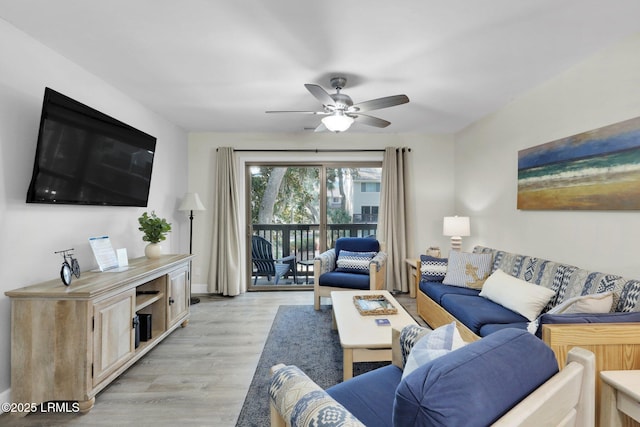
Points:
155	230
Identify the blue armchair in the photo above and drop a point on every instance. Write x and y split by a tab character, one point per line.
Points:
355	263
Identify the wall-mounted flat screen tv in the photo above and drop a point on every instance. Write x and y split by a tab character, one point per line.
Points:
86	157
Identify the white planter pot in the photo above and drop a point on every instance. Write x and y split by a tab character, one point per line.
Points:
153	250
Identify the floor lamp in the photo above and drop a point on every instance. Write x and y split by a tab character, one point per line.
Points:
191	202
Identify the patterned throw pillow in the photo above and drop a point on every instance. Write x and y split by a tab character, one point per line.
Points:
435	344
354	262
433	269
409	336
467	269
299	399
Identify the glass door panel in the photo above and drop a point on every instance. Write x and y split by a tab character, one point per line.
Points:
285	215
353	199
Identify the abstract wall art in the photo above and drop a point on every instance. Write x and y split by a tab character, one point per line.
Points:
594	170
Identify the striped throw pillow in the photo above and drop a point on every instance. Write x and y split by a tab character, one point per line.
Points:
432	269
468	270
354	262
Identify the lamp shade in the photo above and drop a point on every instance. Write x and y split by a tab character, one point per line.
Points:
337	122
191	202
456	226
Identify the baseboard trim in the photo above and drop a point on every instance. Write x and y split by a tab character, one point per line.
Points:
199	288
5	397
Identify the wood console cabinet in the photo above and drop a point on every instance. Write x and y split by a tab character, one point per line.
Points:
68	343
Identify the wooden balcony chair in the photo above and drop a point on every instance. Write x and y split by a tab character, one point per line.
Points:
264	263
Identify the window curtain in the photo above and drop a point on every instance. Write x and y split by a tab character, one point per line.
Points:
226	271
392	230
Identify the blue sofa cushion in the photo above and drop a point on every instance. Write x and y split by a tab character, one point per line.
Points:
476	384
356	244
369	396
475	312
338	279
490	328
587	318
436	290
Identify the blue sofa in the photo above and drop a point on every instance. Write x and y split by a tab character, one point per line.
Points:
506	377
439	304
616	334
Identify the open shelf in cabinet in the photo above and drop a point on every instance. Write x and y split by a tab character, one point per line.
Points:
155	304
145	300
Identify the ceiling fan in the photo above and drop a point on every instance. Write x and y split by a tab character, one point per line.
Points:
340	112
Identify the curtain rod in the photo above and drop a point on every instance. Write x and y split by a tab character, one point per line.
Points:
315	150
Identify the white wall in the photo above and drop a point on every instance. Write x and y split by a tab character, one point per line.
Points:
602	90
430	168
31	232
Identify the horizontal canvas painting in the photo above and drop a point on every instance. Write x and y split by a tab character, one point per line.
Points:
595	170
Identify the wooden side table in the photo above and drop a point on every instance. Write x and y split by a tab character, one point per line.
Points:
307	263
413	274
620	398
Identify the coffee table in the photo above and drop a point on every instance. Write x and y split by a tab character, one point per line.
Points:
362	340
619	397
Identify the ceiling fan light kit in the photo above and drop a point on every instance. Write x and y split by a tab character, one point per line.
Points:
339	110
338	122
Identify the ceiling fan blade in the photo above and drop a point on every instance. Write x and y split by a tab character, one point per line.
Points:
376	104
370	120
300	112
321	128
320	94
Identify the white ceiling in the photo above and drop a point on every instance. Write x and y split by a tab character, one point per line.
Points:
217	65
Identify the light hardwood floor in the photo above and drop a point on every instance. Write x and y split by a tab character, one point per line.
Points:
198	376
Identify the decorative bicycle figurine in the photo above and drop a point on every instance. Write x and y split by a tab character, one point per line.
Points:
69	268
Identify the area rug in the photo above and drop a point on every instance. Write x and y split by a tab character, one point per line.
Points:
303	337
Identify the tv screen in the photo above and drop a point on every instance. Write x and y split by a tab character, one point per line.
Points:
86	157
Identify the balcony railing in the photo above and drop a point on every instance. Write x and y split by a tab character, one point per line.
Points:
303	240
368	218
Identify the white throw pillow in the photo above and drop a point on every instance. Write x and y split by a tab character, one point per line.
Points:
435	344
515	294
594	303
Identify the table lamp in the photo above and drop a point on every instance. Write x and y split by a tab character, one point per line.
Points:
456	227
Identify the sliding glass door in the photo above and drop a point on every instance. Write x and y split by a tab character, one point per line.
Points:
284	219
290	222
